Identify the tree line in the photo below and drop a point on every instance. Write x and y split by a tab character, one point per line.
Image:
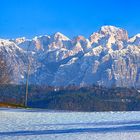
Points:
91	98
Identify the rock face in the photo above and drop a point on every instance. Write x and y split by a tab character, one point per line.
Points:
109	58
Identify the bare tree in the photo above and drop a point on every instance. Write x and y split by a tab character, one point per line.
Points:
5	72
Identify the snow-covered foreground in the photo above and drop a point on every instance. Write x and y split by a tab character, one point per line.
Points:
19	124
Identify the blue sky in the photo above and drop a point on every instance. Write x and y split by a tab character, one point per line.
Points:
71	17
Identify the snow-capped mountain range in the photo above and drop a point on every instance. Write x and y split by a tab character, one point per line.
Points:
108	57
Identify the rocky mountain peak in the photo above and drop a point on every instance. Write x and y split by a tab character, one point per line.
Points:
79	38
59	36
20	40
120	34
134	38
109	29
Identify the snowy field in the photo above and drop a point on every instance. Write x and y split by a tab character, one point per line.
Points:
19	124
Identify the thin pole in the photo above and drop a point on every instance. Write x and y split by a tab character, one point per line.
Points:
27	79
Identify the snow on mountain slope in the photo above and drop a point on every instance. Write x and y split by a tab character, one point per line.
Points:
135	40
15	59
109	57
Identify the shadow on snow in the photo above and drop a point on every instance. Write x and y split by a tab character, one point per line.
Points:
74	130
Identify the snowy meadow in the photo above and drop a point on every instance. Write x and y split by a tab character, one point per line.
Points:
32	124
